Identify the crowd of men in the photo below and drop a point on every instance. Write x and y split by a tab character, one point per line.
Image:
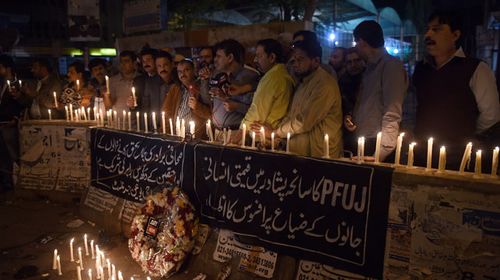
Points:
289	92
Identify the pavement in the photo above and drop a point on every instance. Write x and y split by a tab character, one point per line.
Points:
30	230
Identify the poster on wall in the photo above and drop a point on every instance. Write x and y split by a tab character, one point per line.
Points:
54	158
84	20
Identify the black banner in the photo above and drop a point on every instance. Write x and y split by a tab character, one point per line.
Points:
328	211
132	165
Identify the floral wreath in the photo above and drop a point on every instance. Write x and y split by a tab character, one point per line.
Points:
162	235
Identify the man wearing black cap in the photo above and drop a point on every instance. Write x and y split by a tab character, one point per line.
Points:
383	87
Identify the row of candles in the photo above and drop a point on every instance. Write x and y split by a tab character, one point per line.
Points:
430	142
100	262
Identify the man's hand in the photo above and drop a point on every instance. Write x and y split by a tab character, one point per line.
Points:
130	102
231	105
239	90
256	126
348	124
217	92
193	102
204	73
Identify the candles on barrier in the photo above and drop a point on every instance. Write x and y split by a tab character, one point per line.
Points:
8	85
224	138
327	146
71	249
399	143
50	115
442	159
109	268
80	259
107	83
77	85
183	128
272	141
430	143
494	161
192	128
477	167
133	97
171	126
113	271
466	157
20	83
263	136
124	117
361	149
120	276
153	119
243	135
410	154
288	142
178	126
163	126
86	244
70	112
55	99
88	114
92	250
253	139
208	127
377	147
146	122
79	273
138	121
228	137
59	265
54	262
115	119
90	274
66	111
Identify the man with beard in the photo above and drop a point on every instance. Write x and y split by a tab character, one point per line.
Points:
379	103
457	95
97	83
147	85
349	84
337	61
275	88
183	101
316	106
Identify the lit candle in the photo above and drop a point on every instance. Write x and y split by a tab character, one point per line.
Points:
86	245
129	119
183	128
54	261
66	110
163	126
327	146
153	119
70	112
477	167
377	147
494	162
146	122
92	248
228	139
114	271
88	114
263	136
71	249
55	99
95	112
8	85
50	115
191	128
120	276
442	159
253	139
410	154
399	143
171	126
20	84
272	141
178	127
361	149
90	274
208	128
77	85
466	157
101	272
224	138
80	259
115	119
138	121
101	117
133	97
288	142
79	273
124	114
430	142
83	113
59	265
107	84
109	268
243	135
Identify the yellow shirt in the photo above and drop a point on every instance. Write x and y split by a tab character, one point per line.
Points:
271	98
315	110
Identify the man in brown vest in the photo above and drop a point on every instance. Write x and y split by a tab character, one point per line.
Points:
457	95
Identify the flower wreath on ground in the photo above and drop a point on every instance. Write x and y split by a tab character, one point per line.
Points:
162	235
